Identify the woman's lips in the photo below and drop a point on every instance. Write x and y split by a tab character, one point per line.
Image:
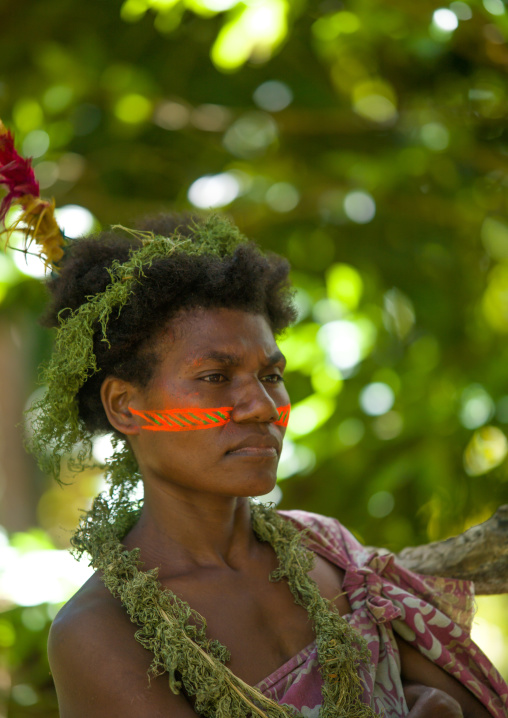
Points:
268	452
256	446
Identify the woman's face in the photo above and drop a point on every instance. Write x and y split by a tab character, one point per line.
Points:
215	358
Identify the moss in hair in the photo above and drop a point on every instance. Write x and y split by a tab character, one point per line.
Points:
112	298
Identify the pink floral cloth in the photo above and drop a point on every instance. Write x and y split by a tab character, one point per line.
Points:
432	614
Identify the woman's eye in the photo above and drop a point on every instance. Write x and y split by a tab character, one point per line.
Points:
214	378
273	378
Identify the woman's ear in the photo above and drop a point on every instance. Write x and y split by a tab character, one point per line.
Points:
116	396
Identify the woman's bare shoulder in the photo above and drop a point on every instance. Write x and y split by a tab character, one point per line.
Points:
93	605
99	668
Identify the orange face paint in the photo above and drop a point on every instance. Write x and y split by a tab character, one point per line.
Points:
193	419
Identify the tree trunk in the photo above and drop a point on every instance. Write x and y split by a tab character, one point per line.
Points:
480	554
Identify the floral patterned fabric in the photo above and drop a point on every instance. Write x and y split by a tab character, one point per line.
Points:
432	614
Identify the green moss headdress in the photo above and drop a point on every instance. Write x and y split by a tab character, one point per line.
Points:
168	627
57	428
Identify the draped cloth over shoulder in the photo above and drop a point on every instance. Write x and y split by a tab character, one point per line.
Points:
432	614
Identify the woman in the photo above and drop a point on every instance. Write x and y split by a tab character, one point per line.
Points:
168	340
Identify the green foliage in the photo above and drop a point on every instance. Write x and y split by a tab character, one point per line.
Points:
26	686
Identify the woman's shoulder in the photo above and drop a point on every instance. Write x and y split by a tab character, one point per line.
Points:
91	609
90	626
98	667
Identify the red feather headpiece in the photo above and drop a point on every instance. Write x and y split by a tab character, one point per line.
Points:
37	219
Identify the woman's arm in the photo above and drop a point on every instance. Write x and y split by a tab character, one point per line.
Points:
425	702
419	673
100	670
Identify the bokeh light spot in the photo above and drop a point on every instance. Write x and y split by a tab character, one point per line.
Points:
133	108
31	577
398	314
71	167
47	174
495	299
282	197
214	190
74	221
7	633
309	414
273	96
359	207
34	618
344	285
272	497
252	34
295	459
329	27
326	379
435	136
133	10
36	143
388	426
461	10
251	135
487	632
486	450
494	234
103	448
375	107
495	7
376	398
350	431
27	115
171	115
328	310
301	349
24	695
445	19
218	5
28	262
210	118
376	101
342	341
381	504
477	407
32	266
57	97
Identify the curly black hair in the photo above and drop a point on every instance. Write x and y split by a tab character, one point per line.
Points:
246	279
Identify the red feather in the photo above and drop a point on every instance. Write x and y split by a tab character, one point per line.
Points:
16	173
37	219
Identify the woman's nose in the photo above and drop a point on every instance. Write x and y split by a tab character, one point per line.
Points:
254	403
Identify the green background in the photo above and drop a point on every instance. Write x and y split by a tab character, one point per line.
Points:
363	140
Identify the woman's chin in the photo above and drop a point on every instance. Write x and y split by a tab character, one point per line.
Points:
261	489
255	486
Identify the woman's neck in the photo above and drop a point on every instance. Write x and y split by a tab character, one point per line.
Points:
182	530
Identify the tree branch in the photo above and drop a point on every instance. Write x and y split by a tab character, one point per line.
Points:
480	554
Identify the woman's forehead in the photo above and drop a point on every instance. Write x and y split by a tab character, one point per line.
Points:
222	335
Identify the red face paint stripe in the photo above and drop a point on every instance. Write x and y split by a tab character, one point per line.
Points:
181	419
283	415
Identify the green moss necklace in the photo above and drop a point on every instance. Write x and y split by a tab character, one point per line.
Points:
176	635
